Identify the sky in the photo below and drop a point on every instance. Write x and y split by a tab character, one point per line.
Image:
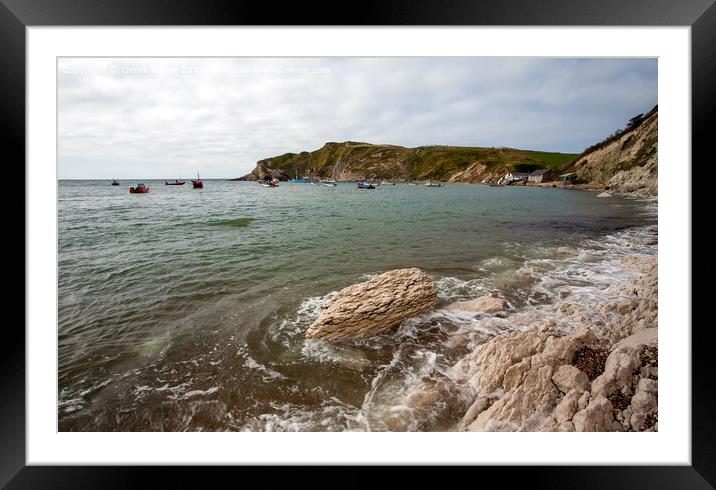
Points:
174	117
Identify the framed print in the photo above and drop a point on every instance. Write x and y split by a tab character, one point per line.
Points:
276	239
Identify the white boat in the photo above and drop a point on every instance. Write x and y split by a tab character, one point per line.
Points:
329	183
269	182
430	183
387	182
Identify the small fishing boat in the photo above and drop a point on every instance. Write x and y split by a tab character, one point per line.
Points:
329	183
197	184
114	182
430	183
387	182
303	180
365	185
269	182
139	189
176	182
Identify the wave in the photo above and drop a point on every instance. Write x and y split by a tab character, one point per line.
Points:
408	392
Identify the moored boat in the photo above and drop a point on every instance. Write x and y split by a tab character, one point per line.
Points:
303	180
139	189
197	184
115	182
430	183
365	185
329	183
269	182
176	182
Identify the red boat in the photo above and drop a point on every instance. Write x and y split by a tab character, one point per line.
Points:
176	182
197	184
139	189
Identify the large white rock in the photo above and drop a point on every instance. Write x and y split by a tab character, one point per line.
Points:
374	306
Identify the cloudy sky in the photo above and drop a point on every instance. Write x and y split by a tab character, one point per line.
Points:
166	118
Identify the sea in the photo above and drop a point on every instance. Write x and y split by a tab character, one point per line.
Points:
185	309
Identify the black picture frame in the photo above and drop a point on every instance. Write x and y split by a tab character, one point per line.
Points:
16	15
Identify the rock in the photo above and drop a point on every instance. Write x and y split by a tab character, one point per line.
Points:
648	336
643	402
538	379
483	304
621	363
478	406
523	408
583	400
617	373
637	421
597	417
567	407
569	378
374	306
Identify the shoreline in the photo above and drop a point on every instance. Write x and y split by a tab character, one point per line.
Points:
573	366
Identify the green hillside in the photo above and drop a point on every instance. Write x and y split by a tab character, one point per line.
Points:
352	160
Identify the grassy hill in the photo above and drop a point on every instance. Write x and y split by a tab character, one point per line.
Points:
353	160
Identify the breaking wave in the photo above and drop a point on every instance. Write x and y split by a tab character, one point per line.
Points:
406	390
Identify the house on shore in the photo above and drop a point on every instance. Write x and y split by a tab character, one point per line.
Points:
570	177
515	176
539	176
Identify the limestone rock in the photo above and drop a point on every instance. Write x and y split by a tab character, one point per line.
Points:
597	417
374	306
533	379
568	378
483	304
567	407
522	366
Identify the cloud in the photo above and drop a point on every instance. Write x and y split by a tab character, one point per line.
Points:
167	117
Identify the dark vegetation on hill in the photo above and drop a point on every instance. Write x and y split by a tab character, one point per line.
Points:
633	124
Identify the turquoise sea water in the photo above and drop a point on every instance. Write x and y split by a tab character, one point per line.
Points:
184	309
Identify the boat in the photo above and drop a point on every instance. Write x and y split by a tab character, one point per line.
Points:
197	184
430	183
365	185
114	182
330	183
303	180
412	183
139	189
387	182
176	182
269	182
